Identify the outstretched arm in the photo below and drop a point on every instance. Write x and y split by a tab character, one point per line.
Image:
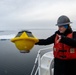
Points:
47	41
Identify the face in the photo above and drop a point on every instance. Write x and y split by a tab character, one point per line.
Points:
61	29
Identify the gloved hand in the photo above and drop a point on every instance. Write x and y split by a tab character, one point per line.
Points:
36	43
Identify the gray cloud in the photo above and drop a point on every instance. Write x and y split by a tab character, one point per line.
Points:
16	14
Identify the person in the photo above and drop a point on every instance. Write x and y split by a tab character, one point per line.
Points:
64	49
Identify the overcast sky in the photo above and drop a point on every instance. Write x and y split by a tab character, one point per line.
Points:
24	14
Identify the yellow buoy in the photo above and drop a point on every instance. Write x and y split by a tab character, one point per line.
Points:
24	41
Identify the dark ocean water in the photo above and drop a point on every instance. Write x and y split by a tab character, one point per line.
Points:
12	62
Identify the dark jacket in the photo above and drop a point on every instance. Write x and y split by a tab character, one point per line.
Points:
64	39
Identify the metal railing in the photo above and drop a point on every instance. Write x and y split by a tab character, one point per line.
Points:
38	58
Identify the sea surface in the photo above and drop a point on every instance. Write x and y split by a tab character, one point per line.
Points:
12	62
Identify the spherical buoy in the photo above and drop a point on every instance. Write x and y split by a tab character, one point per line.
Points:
24	41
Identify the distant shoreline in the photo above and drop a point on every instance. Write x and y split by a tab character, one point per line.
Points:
32	29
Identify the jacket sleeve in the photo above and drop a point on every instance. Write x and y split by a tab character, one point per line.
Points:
47	41
68	41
